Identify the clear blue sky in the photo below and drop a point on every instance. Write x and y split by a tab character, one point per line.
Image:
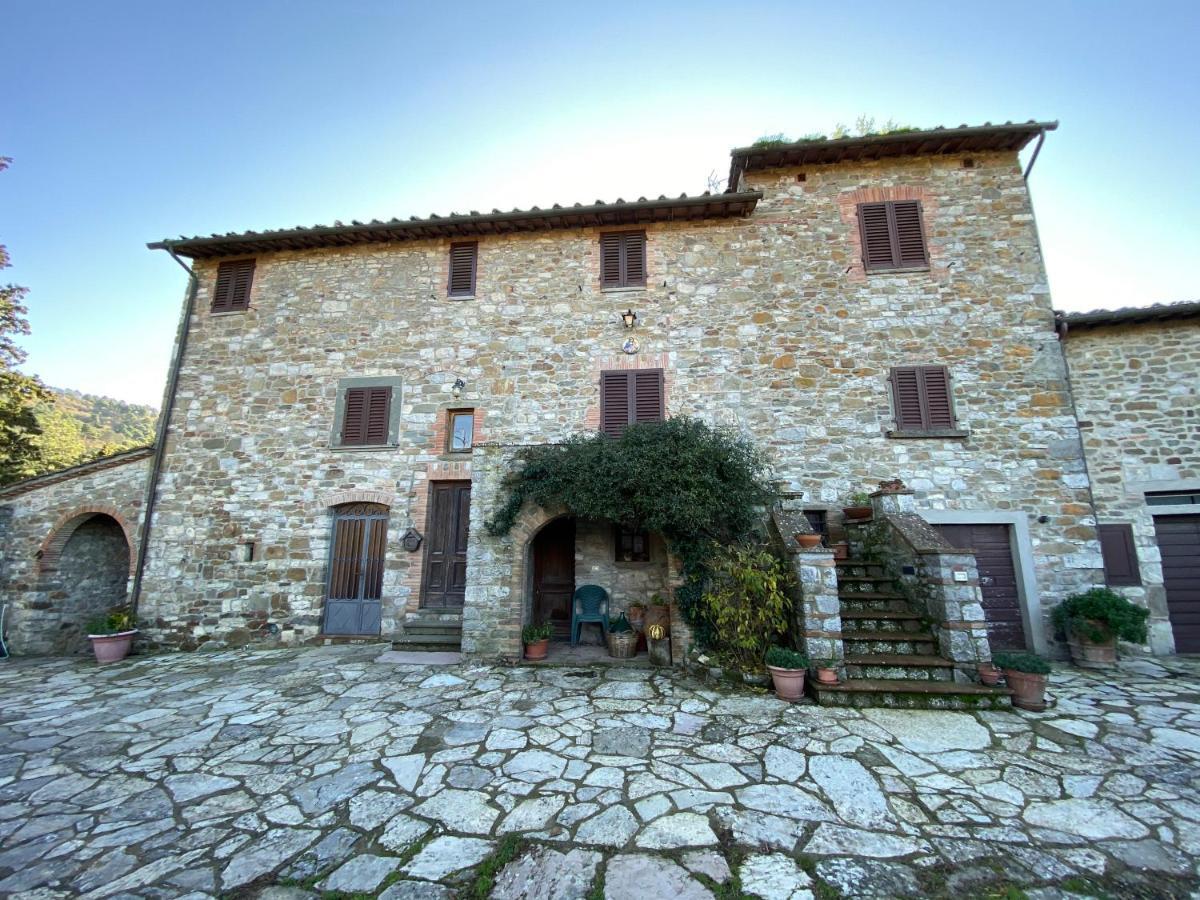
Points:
132	121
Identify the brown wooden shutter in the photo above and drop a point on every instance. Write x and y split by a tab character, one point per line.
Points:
623	259
1120	557
910	236
366	417
610	260
462	269
647	395
615	402
893	235
354	420
876	235
232	291
379	401
922	399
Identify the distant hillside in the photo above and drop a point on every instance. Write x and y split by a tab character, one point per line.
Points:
77	427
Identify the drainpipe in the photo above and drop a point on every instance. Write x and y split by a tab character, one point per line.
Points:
1061	328
164	421
1036	151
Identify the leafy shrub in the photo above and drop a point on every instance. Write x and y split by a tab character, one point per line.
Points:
542	631
696	485
783	658
114	622
858	498
1101	614
747	603
772	140
658	600
1021	662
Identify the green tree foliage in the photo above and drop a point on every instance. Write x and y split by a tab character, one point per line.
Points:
696	485
746	603
1101	614
19	393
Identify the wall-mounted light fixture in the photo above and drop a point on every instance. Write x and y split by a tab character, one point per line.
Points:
457	387
629	317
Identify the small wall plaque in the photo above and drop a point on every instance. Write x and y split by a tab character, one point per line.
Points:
411	540
630	346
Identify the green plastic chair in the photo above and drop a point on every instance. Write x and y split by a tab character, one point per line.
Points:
590	604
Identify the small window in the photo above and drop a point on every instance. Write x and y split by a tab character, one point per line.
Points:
893	236
1173	498
462	269
630	396
921	397
1120	556
623	259
632	545
232	291
818	520
366	412
462	430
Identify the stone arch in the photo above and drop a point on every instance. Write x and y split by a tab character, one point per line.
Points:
530	521
340	498
50	553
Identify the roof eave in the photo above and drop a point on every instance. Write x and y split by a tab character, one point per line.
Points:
469	226
932	142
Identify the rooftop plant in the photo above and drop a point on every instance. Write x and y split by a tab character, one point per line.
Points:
1101	614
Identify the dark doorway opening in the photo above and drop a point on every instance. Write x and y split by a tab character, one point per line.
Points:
554	576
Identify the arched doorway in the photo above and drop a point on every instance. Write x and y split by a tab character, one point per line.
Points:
553	555
89	576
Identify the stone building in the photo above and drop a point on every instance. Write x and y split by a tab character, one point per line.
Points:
347	399
1135	375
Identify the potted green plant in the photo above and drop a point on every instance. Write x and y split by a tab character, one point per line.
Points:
112	635
787	668
536	638
826	671
622	639
1092	622
658	612
858	506
1026	675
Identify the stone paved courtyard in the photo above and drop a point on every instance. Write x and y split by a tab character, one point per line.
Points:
292	773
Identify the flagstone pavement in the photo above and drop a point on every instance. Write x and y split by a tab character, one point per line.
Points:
309	772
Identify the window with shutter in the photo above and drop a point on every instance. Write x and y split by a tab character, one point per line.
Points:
623	259
232	291
893	235
1120	556
628	397
366	417
921	398
462	269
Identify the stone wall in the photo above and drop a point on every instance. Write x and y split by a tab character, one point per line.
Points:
1137	393
764	324
596	563
69	549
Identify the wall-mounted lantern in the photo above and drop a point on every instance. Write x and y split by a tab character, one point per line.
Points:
457	388
629	317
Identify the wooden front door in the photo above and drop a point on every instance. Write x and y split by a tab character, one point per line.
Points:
997	580
554	575
356	558
1179	544
445	584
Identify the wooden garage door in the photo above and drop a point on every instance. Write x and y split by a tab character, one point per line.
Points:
1179	544
997	580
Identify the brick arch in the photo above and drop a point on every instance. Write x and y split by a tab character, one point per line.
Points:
52	547
530	521
329	501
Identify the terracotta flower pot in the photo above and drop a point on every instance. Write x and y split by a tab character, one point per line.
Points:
989	675
826	675
1029	690
110	648
789	683
538	649
808	541
635	614
1088	654
857	513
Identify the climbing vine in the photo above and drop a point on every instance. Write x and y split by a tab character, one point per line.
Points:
698	486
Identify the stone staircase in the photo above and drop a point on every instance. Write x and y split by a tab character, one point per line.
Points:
432	631
891	651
